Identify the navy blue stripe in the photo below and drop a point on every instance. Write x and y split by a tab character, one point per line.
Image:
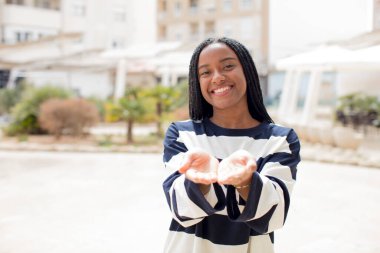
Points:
263	131
175	209
261	224
251	206
286	194
195	195
218	229
221	204
171	146
233	210
168	183
271	236
282	158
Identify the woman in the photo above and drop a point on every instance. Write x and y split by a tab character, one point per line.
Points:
233	168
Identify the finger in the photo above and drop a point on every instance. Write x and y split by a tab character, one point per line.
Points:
200	177
251	165
186	163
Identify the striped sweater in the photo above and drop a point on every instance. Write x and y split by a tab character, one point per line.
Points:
221	221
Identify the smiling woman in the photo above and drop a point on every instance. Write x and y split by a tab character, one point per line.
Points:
233	168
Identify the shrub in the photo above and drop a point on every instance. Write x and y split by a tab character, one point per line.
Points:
25	113
10	97
110	115
71	116
358	110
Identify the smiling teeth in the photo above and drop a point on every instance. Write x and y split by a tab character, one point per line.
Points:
222	89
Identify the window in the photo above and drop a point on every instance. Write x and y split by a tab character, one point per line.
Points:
194	6
178	36
210	28
119	14
376	14
194	3
45	4
227	5
177	9
327	89
162	32
163	5
302	89
118	43
245	4
246	28
193	28
227	31
275	85
21	36
79	8
194	31
18	2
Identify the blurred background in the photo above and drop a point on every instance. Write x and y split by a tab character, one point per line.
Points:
94	78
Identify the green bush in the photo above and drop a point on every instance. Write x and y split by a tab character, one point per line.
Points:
358	110
10	97
25	113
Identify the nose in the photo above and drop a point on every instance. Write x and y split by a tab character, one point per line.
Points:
218	78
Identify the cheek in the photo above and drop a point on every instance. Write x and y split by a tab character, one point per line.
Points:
203	87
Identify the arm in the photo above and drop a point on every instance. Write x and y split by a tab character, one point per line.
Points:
269	193
186	200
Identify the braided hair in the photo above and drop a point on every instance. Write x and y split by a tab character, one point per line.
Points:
199	108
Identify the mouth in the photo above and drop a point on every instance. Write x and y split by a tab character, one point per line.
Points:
221	90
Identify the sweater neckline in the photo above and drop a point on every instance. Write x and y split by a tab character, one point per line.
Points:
235	131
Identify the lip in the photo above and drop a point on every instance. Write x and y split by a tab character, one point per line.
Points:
221	91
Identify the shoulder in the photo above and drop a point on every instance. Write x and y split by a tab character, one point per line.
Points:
287	136
279	130
185	125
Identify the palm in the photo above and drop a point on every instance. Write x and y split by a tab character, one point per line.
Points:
200	167
236	169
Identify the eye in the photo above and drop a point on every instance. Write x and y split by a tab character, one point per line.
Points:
229	66
204	73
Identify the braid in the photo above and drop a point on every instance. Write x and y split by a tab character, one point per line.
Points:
199	108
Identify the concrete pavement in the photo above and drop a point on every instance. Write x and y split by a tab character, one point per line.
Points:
106	202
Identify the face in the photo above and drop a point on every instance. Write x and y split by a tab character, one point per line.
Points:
221	78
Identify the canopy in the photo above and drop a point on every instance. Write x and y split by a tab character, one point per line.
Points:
333	57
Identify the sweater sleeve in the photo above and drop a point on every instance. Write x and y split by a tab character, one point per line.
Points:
186	202
268	200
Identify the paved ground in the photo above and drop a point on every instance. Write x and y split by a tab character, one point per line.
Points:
91	202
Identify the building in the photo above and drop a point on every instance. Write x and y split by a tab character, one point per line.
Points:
191	21
60	41
376	14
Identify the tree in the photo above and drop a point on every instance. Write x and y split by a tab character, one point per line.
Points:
166	100
131	108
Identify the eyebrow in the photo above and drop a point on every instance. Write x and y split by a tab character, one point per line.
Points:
222	60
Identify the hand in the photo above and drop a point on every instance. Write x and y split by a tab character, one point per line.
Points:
200	167
237	169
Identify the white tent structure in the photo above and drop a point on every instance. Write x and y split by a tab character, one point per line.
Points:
357	71
93	72
165	59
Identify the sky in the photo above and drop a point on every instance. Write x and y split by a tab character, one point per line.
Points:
299	25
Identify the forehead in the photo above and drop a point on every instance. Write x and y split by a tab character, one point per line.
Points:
215	52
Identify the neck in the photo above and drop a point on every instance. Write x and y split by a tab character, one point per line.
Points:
234	119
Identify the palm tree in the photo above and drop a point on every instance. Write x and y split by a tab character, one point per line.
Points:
166	100
131	109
